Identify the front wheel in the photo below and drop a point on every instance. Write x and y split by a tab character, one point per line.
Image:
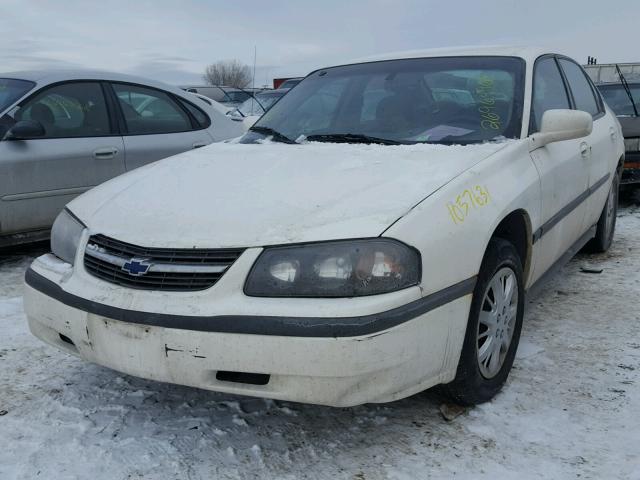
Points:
493	329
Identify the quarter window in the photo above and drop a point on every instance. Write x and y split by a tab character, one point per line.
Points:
548	91
150	111
75	109
201	119
583	94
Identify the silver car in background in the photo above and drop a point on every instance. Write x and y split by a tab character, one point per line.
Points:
63	132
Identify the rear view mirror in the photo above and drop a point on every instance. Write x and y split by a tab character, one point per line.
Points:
558	125
25	130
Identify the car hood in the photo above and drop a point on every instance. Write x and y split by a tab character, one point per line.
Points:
237	195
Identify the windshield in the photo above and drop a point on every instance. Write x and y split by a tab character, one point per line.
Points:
236	96
11	90
427	100
290	83
260	104
617	98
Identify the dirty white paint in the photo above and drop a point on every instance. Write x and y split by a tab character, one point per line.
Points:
569	409
237	195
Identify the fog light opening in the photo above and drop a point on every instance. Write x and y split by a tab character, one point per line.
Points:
243	377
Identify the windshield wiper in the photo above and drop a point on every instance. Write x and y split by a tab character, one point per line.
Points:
351	138
277	136
625	85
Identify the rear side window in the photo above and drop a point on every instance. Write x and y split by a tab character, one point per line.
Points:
583	94
199	116
150	111
548	91
75	109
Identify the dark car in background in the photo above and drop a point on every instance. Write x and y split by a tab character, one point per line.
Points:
619	85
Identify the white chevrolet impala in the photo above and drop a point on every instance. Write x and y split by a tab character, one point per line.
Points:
376	233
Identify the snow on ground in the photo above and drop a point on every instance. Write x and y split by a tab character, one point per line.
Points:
571	408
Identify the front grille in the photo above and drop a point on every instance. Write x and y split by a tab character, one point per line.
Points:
167	269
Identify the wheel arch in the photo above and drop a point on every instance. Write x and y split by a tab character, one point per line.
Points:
515	227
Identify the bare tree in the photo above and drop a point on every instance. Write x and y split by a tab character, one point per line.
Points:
231	73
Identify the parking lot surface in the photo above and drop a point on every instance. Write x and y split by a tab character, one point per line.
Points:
570	409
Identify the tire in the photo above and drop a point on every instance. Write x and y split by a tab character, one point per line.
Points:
476	382
606	225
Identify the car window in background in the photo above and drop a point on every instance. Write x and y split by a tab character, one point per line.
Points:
260	104
617	98
549	91
214	93
290	83
433	100
76	109
580	87
11	90
150	111
237	96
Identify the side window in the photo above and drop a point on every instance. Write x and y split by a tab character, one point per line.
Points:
75	109
548	91
580	87
150	111
201	118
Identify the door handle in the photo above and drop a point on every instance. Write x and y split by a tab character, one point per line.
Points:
585	149
200	144
612	133
105	153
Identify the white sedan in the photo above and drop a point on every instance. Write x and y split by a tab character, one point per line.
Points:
373	235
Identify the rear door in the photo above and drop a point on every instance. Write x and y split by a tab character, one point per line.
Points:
602	141
80	149
563	168
157	124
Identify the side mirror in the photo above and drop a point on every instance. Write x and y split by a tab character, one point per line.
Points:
558	125
25	130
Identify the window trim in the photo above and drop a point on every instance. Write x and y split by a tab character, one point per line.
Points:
35	93
122	120
194	121
567	92
596	96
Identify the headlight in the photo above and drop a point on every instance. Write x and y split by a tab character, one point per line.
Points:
334	269
65	236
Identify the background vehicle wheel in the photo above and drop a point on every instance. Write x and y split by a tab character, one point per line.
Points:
606	226
493	329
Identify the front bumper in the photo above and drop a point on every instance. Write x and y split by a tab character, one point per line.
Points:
338	361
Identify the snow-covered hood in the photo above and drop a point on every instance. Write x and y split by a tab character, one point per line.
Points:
236	195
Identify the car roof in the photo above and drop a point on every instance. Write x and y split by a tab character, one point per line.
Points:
528	53
52	76
46	77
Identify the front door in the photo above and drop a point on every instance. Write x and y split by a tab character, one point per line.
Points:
79	150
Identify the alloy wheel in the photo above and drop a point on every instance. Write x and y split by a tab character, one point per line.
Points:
497	320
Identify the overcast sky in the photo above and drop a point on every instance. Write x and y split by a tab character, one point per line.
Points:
174	40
